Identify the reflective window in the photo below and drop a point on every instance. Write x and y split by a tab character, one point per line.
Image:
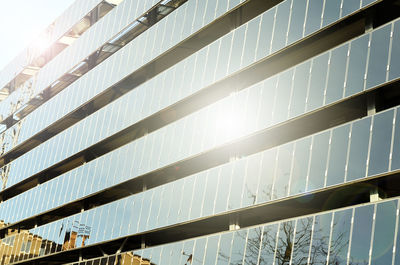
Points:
253	245
338	155
224	250
302	240
349	6
199	250
283	91
238	247
300	166
361	235
394	70
283	169
314	11
252	180
378	58
320	239
237	177
284	246
359	142
337	70
319	155
380	143
297	20
396	143
267	102
339	244
300	86
331	11
356	68
382	245
237	49
281	26
250	41
266	176
264	39
268	244
319	68
211	250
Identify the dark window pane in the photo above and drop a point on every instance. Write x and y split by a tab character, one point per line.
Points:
314	12
281	26
385	220
380	143
297	20
302	241
319	155
266	176
337	70
285	243
238	247
282	176
320	239
282	100
268	245
349	6
331	11
300	166
358	149
264	40
317	83
250	41
300	85
396	143
224	251
253	245
338	155
211	250
394	71
340	237
378	58
252	180
356	69
361	237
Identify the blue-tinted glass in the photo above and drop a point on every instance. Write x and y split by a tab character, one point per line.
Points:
199	250
253	245
284	87
349	6
267	249
397	253
378	57
338	155
300	86
300	166
319	155
238	247
211	250
302	241
187	251
266	176
339	245
359	142
283	168
396	143
281	26
382	245
367	2
394	70
313	21
297	20
331	11
361	235
337	70
251	41
285	243
320	239
317	83
356	69
224	250
380	143
264	40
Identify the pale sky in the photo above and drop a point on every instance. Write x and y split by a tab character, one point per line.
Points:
22	20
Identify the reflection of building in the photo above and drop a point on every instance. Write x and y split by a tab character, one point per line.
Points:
205	132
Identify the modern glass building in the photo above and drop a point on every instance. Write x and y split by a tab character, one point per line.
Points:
205	132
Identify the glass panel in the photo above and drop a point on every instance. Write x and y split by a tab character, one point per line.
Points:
358	149
199	250
250	41
253	246
223	192
264	40
252	179
267	102
380	143
237	177
396	143
211	250
314	12
356	68
302	241
282	100
337	70
281	26
339	245
378	58
382	246
285	243
300	86
338	155
361	236
320	239
211	191
266	176
316	178
224	249
394	71
282	175
300	166
331	11
238	247
349	6
198	195
317	83
237	49
297	20
268	244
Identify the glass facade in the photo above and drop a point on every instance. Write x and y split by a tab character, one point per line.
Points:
192	162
